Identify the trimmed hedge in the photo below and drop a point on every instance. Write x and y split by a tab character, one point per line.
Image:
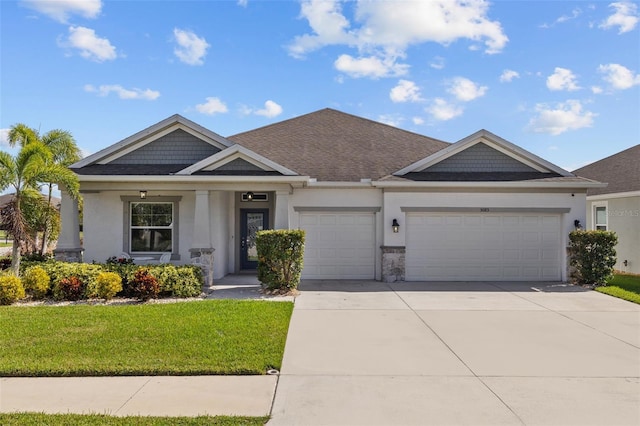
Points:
11	289
592	256
280	258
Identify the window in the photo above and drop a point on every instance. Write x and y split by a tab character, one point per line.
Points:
151	227
600	218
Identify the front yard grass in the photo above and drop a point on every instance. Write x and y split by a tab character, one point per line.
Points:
184	338
623	286
38	419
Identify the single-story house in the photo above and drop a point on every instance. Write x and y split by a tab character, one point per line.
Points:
616	207
376	202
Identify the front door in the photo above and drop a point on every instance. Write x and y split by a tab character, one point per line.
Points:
251	221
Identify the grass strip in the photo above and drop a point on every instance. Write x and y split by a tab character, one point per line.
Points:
38	419
623	286
185	338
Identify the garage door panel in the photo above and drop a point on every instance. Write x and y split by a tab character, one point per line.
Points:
470	246
339	245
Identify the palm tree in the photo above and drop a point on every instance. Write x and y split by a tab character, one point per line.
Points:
23	173
64	152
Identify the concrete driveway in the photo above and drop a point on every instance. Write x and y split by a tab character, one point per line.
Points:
370	353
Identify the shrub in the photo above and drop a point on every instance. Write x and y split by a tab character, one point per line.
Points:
71	288
5	263
120	260
144	286
36	282
11	289
182	281
592	256
85	272
280	258
107	285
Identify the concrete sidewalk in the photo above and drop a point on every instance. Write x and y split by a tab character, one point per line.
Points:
144	396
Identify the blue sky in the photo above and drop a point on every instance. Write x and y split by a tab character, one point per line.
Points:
559	78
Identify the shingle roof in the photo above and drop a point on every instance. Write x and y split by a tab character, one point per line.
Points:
621	171
330	145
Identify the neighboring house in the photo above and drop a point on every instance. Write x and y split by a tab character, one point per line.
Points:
376	202
617	206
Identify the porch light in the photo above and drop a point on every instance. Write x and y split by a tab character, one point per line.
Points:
249	196
143	195
577	224
395	226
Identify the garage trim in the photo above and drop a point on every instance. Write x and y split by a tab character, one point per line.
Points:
337	209
484	210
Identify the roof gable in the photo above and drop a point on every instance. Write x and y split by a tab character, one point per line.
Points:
175	140
236	160
483	154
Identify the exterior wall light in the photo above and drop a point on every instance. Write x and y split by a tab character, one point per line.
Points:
143	195
577	224
249	196
395	226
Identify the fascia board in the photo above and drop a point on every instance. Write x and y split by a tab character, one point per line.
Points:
150	134
516	184
612	195
190	178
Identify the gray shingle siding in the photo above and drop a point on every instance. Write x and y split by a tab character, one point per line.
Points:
178	147
239	164
480	158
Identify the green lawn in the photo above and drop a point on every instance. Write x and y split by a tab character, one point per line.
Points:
26	419
186	338
625	287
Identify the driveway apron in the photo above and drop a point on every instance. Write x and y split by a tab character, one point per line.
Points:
370	353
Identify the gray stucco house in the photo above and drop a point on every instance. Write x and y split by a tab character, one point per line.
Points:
376	201
616	207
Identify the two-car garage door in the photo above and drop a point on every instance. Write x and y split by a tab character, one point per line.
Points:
455	246
339	245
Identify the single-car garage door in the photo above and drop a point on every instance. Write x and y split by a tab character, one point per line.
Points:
452	246
339	245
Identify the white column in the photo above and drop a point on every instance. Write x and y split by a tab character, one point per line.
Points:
202	222
281	220
70	222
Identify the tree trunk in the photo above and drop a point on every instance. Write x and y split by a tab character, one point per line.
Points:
43	248
15	257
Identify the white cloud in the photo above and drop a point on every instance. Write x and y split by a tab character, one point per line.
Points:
191	49
90	45
625	17
243	3
61	10
618	76
372	66
390	119
405	91
560	118
562	79
442	110
564	18
135	93
417	121
596	90
382	31
437	63
508	75
465	90
212	106
4	137
270	110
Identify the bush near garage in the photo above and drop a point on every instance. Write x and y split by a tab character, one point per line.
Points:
592	256
280	258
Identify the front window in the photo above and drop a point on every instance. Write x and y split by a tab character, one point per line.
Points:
151	227
600	222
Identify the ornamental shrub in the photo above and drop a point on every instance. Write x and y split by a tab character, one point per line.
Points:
144	286
36	282
178	281
71	288
11	289
280	258
592	256
107	285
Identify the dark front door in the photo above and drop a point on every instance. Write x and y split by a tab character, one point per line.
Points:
251	221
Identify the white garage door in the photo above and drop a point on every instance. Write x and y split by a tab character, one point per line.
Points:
338	245
451	246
